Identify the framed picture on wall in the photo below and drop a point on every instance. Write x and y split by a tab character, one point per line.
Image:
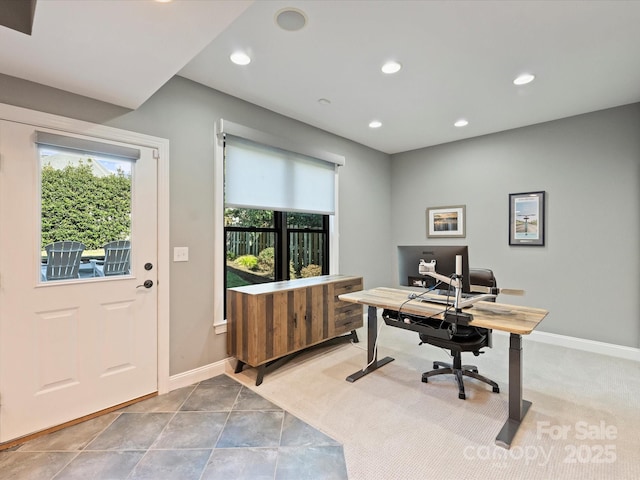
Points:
526	218
443	222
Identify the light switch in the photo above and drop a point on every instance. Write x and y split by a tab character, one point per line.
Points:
180	254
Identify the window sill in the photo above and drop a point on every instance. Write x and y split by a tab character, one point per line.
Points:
220	328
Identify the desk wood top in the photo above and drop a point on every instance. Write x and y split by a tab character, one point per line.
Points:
497	316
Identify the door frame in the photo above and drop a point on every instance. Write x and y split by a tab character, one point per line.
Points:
46	120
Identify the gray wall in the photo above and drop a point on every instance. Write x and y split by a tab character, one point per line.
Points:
185	112
587	275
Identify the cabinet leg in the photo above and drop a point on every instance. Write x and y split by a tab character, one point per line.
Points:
354	336
239	366
261	371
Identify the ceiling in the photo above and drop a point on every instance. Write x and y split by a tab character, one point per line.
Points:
119	52
459	59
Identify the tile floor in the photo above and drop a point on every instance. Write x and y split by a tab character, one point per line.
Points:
217	429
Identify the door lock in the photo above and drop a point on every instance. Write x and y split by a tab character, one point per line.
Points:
146	284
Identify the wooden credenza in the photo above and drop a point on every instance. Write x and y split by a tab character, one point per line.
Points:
271	321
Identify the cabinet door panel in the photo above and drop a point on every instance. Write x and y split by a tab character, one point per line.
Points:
298	322
316	305
235	324
254	335
279	325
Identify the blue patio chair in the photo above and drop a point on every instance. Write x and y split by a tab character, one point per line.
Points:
116	259
63	260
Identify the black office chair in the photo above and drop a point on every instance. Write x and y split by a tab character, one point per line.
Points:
463	339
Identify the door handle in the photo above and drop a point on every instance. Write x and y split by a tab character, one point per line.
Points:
146	284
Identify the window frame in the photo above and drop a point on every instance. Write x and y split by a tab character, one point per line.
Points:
221	125
86	152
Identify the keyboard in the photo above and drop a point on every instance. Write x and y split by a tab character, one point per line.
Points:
451	294
443	299
439	300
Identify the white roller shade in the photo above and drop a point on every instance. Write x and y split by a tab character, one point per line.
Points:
86	145
263	177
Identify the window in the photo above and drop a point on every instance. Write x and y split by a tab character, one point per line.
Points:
275	208
85	208
264	246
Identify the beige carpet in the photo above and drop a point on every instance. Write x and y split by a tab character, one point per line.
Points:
584	422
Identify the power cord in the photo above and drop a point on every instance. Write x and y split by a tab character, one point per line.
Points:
375	348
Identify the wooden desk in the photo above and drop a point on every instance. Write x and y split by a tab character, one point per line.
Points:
514	319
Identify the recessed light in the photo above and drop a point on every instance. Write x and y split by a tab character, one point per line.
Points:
524	79
375	124
240	58
324	101
391	67
291	19
461	123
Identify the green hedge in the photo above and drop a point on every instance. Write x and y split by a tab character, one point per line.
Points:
76	205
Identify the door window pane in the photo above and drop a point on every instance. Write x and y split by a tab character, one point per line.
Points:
85	215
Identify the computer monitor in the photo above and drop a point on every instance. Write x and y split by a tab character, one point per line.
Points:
445	256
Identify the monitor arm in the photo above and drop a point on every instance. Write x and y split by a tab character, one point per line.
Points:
455	281
457	317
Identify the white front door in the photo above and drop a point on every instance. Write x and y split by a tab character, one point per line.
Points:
69	348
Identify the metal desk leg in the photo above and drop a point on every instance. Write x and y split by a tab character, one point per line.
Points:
372	335
518	407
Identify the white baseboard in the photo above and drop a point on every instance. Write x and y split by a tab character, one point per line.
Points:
602	348
196	375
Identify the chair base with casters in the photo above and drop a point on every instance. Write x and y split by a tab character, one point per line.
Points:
456	368
463	339
442	334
